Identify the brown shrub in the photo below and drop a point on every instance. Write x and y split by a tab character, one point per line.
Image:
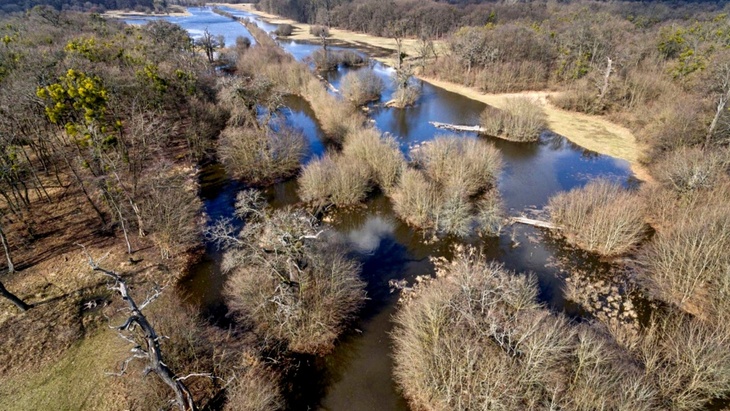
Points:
381	154
454	192
255	389
335	179
415	199
601	217
261	156
688	360
362	86
331	59
689	169
471	165
337	120
522	119
295	287
477	339
686	263
170	210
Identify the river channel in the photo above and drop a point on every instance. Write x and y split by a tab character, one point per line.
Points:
358	374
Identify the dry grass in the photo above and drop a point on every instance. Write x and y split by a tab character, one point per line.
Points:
335	179
362	86
521	119
601	217
381	153
261	157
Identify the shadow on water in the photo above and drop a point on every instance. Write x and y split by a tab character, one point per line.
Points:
358	374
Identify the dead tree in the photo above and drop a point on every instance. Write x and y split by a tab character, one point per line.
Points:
11	268
14	299
149	350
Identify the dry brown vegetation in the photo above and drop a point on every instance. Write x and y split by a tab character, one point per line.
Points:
288	280
601	217
362	86
521	119
261	156
476	338
334	179
452	189
380	153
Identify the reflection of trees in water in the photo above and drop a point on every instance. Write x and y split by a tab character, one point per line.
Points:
554	141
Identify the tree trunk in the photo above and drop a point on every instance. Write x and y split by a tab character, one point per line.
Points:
14	299
151	351
721	103
6	248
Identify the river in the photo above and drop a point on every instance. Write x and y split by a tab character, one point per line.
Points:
358	374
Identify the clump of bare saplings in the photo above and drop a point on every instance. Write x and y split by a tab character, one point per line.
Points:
261	156
368	160
284	30
452	187
326	60
476	338
687	263
288	279
362	86
601	217
521	119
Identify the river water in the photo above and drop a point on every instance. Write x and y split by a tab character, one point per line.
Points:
358	375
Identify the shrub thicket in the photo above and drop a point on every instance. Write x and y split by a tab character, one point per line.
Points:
601	217
334	179
477	339
453	189
381	154
689	169
261	156
362	86
522	119
288	280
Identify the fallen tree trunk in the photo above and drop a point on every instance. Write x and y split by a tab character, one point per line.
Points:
535	223
151	350
14	299
456	127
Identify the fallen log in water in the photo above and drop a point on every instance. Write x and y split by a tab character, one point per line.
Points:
328	84
535	223
456	127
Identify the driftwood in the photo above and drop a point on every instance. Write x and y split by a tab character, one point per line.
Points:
535	223
456	127
151	350
328	84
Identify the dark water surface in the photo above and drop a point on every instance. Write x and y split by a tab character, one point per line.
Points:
358	375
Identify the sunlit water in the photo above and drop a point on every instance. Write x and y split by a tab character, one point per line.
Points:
358	375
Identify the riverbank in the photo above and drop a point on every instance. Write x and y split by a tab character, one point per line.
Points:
121	14
362	41
591	132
